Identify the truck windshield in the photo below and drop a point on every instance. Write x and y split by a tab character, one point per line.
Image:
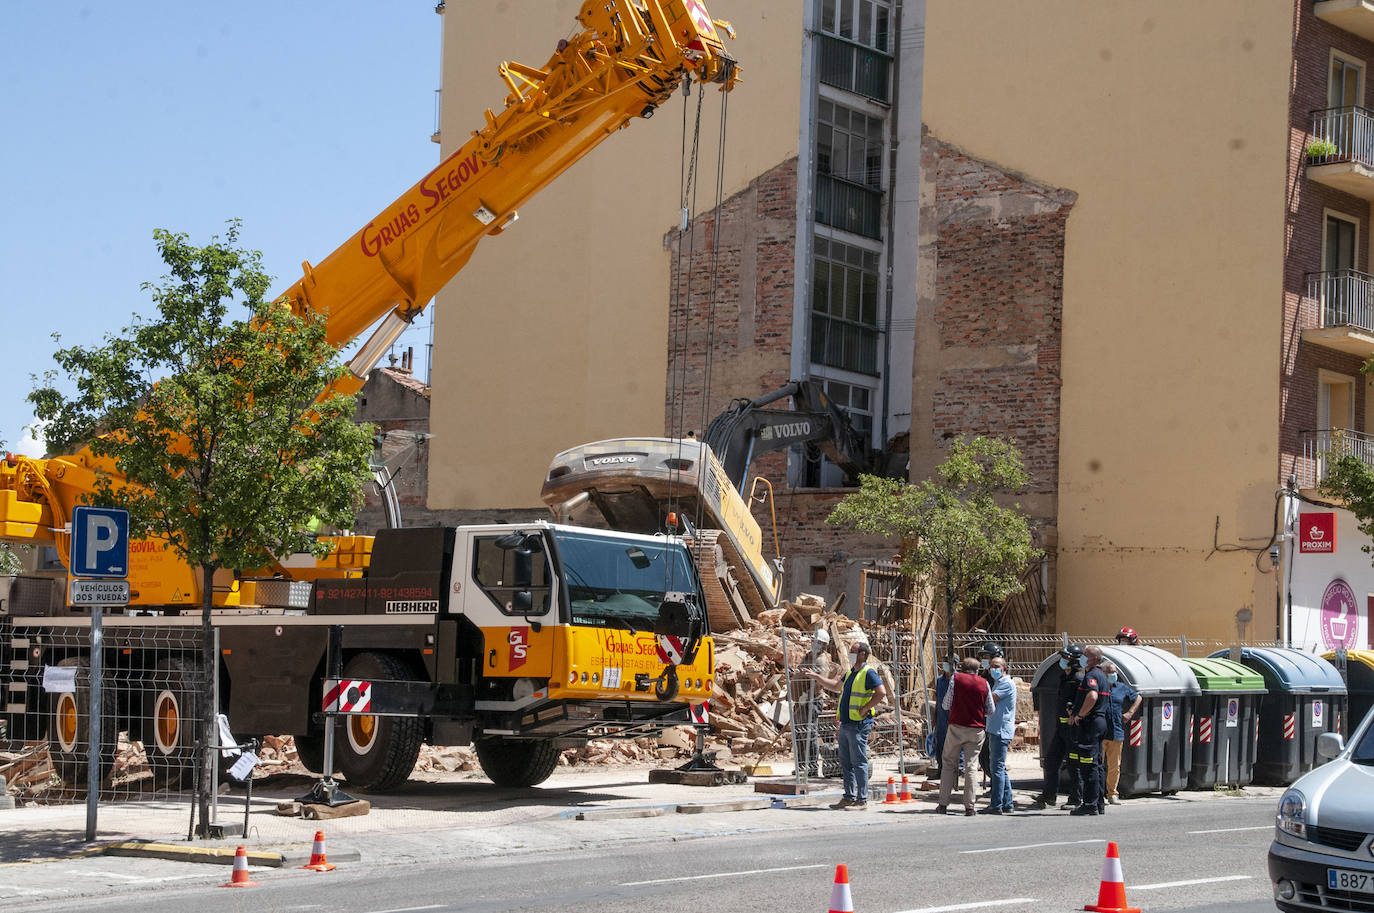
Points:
619	582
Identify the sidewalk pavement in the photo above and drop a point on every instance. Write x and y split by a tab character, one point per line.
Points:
477	818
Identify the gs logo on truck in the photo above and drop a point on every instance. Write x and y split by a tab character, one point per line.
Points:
519	641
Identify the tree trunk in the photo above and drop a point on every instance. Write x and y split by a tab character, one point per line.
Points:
206	758
949	629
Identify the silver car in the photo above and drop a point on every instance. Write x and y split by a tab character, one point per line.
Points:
1322	857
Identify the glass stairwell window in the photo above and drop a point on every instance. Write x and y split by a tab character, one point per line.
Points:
849	170
855	38
844	307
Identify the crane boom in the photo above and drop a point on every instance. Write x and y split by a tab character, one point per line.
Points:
627	59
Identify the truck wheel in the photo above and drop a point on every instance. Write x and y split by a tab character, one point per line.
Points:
376	753
172	719
517	762
69	717
310	752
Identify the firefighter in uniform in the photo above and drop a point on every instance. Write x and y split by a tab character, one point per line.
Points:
1089	717
1063	746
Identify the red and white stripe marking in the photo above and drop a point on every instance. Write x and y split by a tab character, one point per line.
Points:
1137	733
1204	727
670	649
348	696
701	713
1290	724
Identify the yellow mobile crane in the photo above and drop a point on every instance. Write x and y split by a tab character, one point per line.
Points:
518	638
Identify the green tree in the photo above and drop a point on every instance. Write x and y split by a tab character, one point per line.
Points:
1349	479
214	422
953	529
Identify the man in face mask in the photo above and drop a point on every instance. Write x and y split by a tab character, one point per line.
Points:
1089	715
1123	706
969	701
861	691
1001	730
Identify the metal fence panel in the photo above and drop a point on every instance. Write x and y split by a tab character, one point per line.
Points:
151	709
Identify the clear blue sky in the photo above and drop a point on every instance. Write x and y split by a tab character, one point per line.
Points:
302	119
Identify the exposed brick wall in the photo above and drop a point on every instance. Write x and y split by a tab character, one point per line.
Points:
993	328
741	335
1308	200
749	342
989	323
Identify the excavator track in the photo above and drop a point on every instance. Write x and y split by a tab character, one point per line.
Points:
729	604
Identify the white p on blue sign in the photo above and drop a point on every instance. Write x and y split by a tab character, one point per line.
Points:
100	542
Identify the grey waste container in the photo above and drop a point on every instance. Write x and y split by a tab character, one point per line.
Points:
1306	698
1224	723
1156	756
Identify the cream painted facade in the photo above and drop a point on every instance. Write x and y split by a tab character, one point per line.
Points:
556	332
1169	122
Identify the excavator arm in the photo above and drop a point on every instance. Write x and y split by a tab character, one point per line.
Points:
747	430
628	57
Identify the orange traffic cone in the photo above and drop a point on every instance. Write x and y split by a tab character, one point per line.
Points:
840	901
318	862
891	792
1111	896
906	790
240	876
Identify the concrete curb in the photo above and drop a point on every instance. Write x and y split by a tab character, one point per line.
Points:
736	805
173	852
606	814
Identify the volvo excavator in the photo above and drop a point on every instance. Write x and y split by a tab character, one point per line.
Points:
519	638
633	484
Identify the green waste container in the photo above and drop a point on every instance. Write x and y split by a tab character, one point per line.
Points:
1357	668
1306	698
1225	726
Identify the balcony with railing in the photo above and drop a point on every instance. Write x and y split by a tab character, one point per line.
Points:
840	343
1340	150
1338	311
1323	447
1354	16
849	206
855	68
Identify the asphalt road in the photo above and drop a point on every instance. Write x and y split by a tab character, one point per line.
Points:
1197	856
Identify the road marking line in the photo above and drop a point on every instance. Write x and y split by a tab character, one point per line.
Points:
973	906
99	874
1181	884
790	868
1028	846
433	906
1223	830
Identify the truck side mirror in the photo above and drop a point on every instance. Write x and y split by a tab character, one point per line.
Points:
523	571
522	601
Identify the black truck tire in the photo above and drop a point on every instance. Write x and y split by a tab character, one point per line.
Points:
69	728
310	752
517	762
172	721
376	753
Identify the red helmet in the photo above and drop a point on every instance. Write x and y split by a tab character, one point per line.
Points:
1127	635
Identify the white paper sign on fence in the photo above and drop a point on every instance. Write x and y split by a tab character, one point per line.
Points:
57	679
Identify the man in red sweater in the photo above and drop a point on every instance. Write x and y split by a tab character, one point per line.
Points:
969	701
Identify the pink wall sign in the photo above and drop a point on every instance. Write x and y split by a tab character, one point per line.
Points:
1340	618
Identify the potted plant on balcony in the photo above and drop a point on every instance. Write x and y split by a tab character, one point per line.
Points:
1319	149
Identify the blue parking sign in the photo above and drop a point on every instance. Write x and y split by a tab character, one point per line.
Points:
100	542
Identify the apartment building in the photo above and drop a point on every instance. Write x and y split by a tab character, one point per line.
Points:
599	317
1134	239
